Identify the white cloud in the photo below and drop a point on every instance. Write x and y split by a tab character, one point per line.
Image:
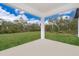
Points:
16	10
25	17
66	17
34	21
46	22
6	15
21	12
11	17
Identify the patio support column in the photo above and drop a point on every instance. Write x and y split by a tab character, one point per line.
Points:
42	28
78	26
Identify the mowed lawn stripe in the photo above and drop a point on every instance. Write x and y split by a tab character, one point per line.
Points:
14	39
63	37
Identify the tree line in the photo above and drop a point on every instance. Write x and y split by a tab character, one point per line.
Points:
17	26
63	25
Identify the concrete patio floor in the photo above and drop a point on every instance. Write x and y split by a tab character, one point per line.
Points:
42	48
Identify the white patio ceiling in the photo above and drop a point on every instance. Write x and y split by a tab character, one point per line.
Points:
43	9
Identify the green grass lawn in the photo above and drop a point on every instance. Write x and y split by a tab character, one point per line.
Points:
63	37
14	39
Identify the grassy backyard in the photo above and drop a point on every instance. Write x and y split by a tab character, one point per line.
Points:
63	37
11	40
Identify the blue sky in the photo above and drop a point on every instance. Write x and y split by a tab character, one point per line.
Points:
11	10
30	16
70	13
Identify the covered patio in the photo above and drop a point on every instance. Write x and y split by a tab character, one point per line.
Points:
43	46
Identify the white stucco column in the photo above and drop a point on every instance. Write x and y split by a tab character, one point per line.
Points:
78	26
42	28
